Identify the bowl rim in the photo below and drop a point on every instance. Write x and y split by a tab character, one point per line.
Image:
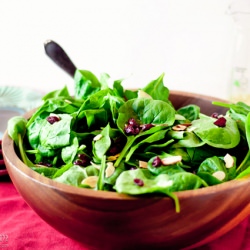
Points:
8	149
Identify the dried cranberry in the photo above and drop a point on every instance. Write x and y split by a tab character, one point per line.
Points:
46	164
146	126
220	122
131	130
132	122
139	182
215	115
85	160
157	162
114	150
52	119
116	147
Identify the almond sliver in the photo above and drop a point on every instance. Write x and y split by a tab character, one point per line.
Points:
171	160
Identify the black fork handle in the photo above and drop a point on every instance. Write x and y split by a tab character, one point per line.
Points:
57	54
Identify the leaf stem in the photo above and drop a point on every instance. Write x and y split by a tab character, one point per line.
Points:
130	141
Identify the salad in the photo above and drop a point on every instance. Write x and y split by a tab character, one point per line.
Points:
132	142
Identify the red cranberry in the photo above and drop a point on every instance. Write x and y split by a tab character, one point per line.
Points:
146	127
46	164
85	159
215	115
157	162
132	122
139	182
132	128
220	122
116	146
52	119
113	150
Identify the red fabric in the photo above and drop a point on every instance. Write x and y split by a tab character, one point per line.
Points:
21	228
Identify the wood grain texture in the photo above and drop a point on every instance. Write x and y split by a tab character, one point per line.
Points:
107	220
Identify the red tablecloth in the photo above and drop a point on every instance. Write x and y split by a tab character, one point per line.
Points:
21	228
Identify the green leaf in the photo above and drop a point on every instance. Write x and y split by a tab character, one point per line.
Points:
69	152
101	146
150	139
146	111
16	126
72	176
86	83
218	137
100	182
157	89
190	112
56	135
57	93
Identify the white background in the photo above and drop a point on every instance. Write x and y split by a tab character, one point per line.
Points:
191	41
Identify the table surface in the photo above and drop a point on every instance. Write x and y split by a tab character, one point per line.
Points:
22	228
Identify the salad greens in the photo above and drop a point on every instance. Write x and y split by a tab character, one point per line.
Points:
132	142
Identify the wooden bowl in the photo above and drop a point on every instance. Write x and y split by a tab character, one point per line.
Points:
108	220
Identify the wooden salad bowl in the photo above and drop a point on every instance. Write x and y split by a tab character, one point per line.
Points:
108	220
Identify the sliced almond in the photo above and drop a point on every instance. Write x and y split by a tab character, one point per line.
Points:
142	93
113	157
90	181
110	169
95	165
171	160
68	101
143	164
229	161
220	175
179	127
97	137
53	114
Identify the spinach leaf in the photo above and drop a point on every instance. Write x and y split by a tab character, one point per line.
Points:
190	112
69	152
16	126
57	93
45	171
55	105
118	88
86	83
185	139
72	176
125	183
218	137
157	90
101	146
169	169
56	135
158	135
146	111
213	166
186	181
100	182
130	94
246	162
91	119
